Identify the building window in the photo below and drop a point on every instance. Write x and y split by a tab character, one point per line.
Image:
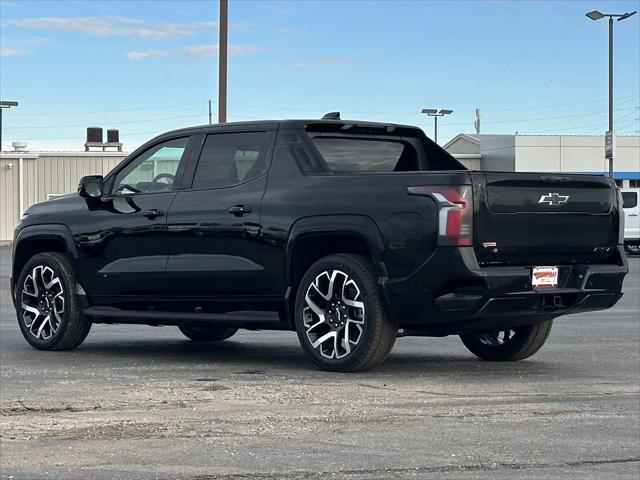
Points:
619	183
634	183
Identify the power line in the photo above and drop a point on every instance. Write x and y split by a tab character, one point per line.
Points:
111	122
108	111
308	108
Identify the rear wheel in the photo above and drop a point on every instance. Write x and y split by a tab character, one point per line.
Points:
47	309
206	333
339	317
508	345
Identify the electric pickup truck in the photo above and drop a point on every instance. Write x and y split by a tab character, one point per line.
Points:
349	233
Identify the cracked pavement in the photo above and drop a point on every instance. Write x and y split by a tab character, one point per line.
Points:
138	402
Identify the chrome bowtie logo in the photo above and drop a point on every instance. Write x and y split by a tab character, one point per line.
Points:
553	199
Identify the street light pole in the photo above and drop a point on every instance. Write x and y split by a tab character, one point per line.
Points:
435	113
3	105
610	144
611	87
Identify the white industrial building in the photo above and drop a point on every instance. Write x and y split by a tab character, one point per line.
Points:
548	153
31	177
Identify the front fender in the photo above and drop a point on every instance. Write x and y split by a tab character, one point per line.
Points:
55	232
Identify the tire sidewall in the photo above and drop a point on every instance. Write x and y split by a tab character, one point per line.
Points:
68	284
509	351
372	324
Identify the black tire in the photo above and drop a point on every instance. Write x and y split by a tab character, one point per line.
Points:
377	333
632	248
522	343
206	333
73	327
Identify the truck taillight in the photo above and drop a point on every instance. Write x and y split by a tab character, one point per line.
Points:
620	216
455	212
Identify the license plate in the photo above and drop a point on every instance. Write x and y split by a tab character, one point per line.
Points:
544	277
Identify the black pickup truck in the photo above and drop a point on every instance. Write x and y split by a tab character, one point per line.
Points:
348	232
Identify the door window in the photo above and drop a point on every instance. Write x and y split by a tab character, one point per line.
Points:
629	199
231	158
152	171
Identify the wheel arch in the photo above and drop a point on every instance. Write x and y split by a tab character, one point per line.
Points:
311	238
36	239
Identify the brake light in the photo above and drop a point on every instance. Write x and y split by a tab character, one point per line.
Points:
455	212
620	216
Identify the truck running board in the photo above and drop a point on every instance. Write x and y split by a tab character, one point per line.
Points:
240	319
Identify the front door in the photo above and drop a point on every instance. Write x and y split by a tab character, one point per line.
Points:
215	249
123	239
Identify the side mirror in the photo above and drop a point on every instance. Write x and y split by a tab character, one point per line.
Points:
90	186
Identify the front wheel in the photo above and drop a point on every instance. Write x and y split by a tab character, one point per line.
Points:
508	345
339	317
46	305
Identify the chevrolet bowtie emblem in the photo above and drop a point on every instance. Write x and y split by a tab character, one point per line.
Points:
553	199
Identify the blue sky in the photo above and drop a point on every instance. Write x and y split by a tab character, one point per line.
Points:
150	66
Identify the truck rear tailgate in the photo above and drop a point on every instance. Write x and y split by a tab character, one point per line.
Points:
534	218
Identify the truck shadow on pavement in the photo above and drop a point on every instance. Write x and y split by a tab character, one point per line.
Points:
283	358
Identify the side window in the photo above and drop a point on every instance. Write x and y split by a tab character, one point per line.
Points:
152	171
231	158
629	199
352	155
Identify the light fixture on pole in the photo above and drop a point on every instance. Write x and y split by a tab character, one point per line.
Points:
610	144
3	105
435	113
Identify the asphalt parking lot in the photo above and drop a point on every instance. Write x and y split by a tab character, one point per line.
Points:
137	402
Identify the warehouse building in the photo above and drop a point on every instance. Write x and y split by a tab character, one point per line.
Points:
548	153
31	177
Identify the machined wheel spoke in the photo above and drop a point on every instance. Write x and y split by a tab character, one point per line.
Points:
42	302
334	314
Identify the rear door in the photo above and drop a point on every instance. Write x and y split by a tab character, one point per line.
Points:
524	218
215	245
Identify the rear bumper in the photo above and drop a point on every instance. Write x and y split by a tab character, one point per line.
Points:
451	294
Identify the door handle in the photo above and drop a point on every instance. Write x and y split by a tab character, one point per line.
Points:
153	213
239	210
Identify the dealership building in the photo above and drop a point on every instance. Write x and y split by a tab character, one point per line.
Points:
30	177
548	153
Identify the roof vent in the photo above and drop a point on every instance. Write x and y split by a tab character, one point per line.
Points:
331	116
19	146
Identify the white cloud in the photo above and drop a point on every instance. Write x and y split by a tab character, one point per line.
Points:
194	51
139	55
320	62
11	52
101	26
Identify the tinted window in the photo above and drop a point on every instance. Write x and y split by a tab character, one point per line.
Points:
230	158
363	155
629	199
152	171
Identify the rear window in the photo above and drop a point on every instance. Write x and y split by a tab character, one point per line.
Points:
629	199
367	155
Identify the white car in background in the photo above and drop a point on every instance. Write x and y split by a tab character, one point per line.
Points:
631	198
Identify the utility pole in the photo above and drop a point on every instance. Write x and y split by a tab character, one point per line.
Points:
610	140
3	105
222	61
209	112
477	122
